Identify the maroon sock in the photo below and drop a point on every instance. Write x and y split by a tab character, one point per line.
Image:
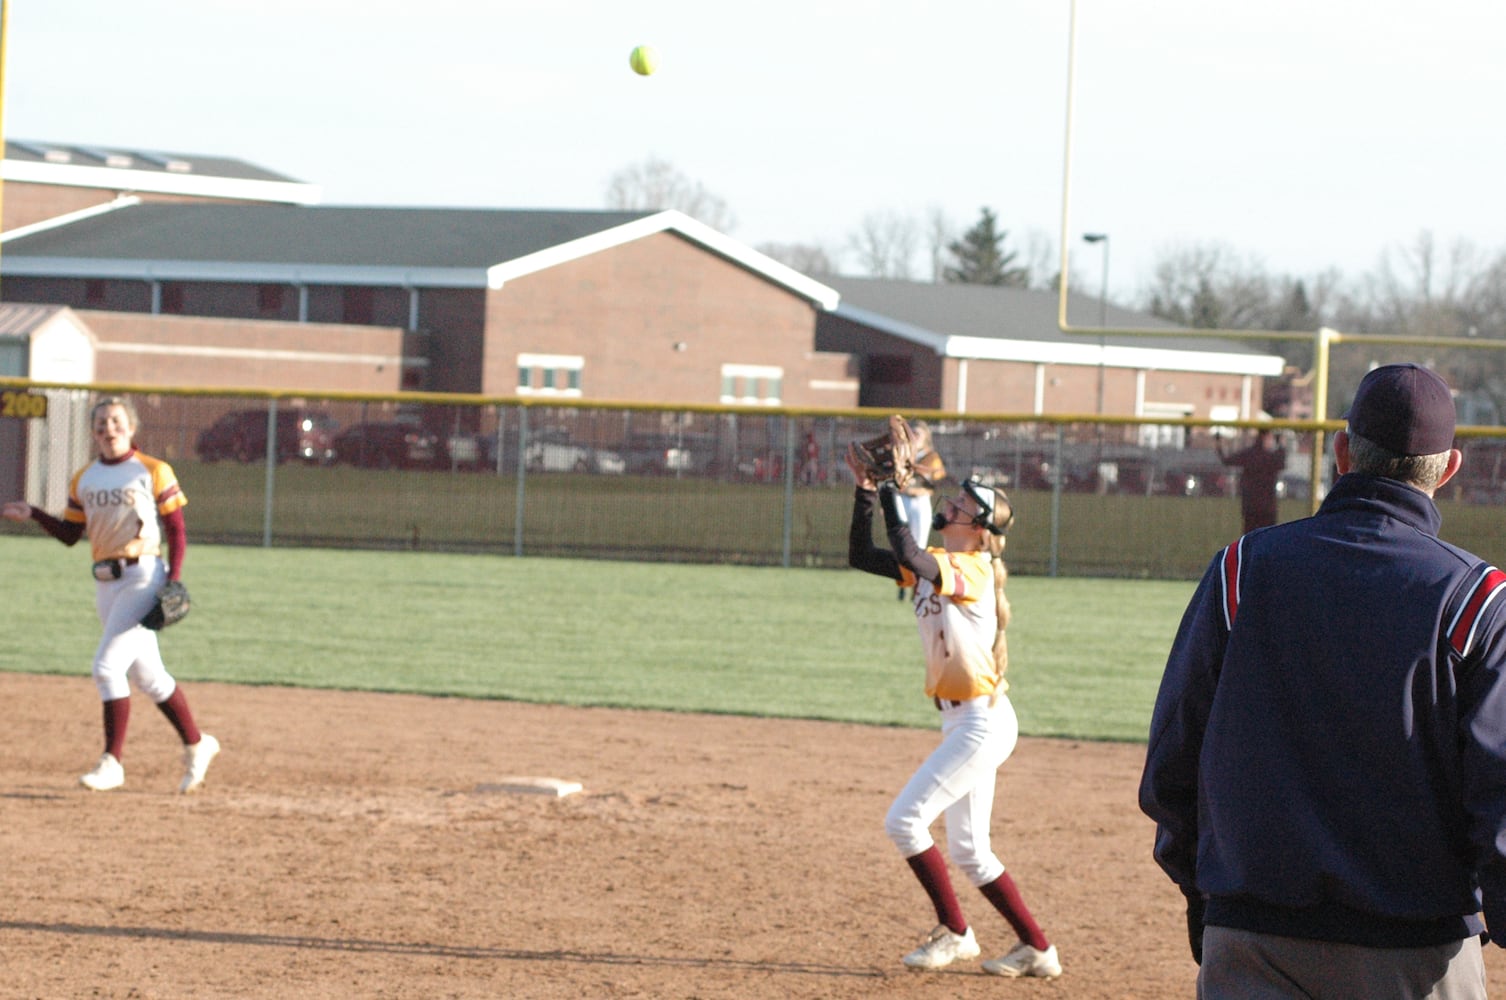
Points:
1006	899
930	868
177	711
117	717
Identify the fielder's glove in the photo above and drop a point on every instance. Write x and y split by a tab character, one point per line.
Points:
889	458
171	607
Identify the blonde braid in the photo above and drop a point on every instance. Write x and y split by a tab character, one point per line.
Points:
1001	576
1003	516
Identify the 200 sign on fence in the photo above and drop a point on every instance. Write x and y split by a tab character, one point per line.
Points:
22	405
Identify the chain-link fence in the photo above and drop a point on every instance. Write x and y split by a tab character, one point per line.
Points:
734	485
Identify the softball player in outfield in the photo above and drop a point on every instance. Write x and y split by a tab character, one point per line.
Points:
128	504
961	610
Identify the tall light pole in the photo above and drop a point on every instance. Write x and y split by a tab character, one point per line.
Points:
1103	306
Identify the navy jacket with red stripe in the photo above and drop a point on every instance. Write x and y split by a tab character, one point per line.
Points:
1327	755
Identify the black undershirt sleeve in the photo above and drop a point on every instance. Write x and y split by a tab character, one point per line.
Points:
67	532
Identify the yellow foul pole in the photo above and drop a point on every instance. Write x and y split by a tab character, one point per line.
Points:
4	37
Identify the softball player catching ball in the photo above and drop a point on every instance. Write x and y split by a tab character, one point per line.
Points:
128	504
961	610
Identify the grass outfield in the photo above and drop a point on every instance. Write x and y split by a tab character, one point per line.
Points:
1086	655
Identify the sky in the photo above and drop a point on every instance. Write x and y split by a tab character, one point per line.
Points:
1297	135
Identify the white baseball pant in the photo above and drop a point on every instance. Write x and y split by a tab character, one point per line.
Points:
957	782
128	652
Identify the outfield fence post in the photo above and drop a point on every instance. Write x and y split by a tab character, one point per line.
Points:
270	495
517	520
789	490
1059	474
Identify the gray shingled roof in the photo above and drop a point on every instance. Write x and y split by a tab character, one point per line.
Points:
18	319
135	158
991	311
327	244
317	234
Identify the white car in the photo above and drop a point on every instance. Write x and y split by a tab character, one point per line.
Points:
550	456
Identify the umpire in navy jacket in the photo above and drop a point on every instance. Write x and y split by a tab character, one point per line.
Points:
1327	757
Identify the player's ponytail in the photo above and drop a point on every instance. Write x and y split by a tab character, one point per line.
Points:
1002	517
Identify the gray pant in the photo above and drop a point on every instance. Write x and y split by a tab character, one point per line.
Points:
1243	965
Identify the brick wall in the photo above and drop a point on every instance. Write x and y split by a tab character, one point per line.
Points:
655	320
143	349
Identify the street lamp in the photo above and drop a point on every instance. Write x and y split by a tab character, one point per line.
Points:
1103	306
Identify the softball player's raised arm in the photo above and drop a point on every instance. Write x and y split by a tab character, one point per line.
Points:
861	552
906	550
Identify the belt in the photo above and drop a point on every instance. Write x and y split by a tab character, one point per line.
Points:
111	569
945	703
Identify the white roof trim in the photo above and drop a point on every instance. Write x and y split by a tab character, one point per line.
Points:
123	201
499	274
160	182
1076	353
1113	356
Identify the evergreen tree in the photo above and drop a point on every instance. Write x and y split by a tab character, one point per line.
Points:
1296	312
1207	310
980	258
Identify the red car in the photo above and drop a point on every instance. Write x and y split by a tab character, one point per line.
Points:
390	445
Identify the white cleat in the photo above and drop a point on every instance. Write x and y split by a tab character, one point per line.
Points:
107	774
942	948
196	760
1024	960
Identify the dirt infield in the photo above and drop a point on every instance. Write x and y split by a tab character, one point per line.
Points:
355	845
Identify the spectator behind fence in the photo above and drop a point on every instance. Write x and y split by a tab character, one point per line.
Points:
1260	466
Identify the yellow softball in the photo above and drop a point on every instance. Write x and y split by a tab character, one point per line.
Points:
644	60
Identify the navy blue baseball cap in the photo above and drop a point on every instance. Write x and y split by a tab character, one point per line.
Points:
1405	409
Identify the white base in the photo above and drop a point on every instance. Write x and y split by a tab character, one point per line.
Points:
554	787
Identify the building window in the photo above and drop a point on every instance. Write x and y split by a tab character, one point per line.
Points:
358	305
756	384
172	297
1165	435
269	298
94	292
890	369
550	374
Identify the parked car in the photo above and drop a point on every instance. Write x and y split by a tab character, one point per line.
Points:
1197	481
559	456
669	454
390	445
1294	486
304	435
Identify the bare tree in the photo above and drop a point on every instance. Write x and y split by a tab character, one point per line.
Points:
655	184
1210	286
885	244
807	258
1040	259
940	234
